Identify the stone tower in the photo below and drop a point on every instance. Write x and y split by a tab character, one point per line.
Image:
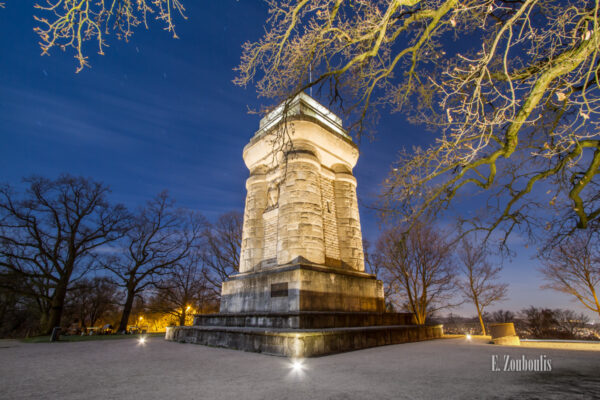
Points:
301	289
301	244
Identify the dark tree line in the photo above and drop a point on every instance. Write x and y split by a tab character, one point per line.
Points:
91	299
426	269
65	248
532	322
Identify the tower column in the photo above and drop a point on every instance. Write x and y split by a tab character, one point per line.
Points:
300	230
253	233
348	222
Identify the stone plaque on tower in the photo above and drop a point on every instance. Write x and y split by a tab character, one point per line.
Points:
301	289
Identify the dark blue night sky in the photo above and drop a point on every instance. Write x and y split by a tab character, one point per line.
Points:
158	113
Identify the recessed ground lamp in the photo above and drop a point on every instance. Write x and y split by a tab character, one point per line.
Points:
297	365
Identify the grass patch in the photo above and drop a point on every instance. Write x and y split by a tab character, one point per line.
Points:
77	338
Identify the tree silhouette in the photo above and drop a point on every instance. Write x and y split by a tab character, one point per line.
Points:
49	235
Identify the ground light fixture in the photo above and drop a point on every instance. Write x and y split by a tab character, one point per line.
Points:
297	366
468	336
142	340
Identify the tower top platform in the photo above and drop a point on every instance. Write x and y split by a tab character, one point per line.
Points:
303	106
314	129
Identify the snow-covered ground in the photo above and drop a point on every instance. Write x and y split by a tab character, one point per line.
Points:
441	369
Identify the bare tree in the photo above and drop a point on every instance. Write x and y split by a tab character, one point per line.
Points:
503	316
374	265
420	267
479	284
570	322
573	267
540	322
20	313
184	291
160	236
70	24
31	290
50	233
90	300
222	249
513	112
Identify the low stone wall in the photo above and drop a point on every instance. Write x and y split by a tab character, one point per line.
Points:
504	334
562	345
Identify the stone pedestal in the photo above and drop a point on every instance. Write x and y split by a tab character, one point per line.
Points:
301	288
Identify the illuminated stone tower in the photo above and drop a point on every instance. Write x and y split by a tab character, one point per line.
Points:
301	244
301	289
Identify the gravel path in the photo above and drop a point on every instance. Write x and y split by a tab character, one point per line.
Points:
441	369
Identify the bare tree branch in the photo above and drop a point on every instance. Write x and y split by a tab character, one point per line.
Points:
515	112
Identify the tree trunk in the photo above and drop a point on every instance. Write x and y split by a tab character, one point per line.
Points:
45	317
56	307
479	310
182	317
595	298
420	315
126	311
481	321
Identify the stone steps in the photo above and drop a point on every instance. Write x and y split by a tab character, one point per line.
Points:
302	342
304	320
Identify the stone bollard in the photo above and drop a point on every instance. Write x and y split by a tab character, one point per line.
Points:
504	334
169	334
55	335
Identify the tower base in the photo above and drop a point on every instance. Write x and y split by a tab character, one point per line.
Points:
302	286
302	310
306	334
